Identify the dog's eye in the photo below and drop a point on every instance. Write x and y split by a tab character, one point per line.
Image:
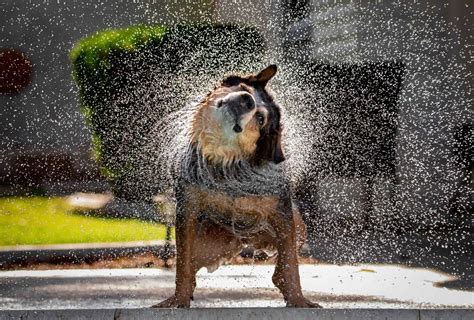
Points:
260	118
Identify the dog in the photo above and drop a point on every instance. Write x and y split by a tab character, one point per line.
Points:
232	189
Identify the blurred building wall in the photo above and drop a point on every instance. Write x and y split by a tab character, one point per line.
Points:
432	39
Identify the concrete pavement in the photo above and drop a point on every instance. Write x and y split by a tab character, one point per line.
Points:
242	286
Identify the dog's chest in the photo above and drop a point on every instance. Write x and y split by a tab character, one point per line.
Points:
243	215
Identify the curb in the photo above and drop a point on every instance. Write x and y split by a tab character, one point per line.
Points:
243	313
82	252
90	252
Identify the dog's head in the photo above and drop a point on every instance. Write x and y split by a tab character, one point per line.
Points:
239	120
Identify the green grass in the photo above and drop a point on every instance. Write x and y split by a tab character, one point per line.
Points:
40	220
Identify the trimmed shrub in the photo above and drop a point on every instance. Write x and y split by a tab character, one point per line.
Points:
130	78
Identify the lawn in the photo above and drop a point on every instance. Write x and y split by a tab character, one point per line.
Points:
41	220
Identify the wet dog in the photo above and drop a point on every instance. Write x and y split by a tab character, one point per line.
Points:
232	188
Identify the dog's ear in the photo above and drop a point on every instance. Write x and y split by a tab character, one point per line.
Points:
265	75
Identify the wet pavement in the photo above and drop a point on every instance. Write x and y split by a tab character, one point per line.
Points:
361	286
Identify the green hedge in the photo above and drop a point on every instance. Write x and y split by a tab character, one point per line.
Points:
129	78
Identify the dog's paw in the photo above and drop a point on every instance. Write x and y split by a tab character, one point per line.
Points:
302	303
310	304
172	302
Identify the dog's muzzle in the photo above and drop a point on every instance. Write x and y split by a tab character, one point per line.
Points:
238	104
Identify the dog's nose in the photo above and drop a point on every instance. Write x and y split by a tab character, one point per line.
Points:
237	128
247	101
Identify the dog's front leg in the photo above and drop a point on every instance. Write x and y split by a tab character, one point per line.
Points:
286	276
186	219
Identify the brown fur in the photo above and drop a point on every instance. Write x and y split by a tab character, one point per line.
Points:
213	226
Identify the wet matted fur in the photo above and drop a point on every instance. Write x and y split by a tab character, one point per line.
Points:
232	189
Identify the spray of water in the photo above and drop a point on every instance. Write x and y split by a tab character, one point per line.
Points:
185	162
432	187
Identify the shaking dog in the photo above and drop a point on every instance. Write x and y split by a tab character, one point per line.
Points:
232	189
